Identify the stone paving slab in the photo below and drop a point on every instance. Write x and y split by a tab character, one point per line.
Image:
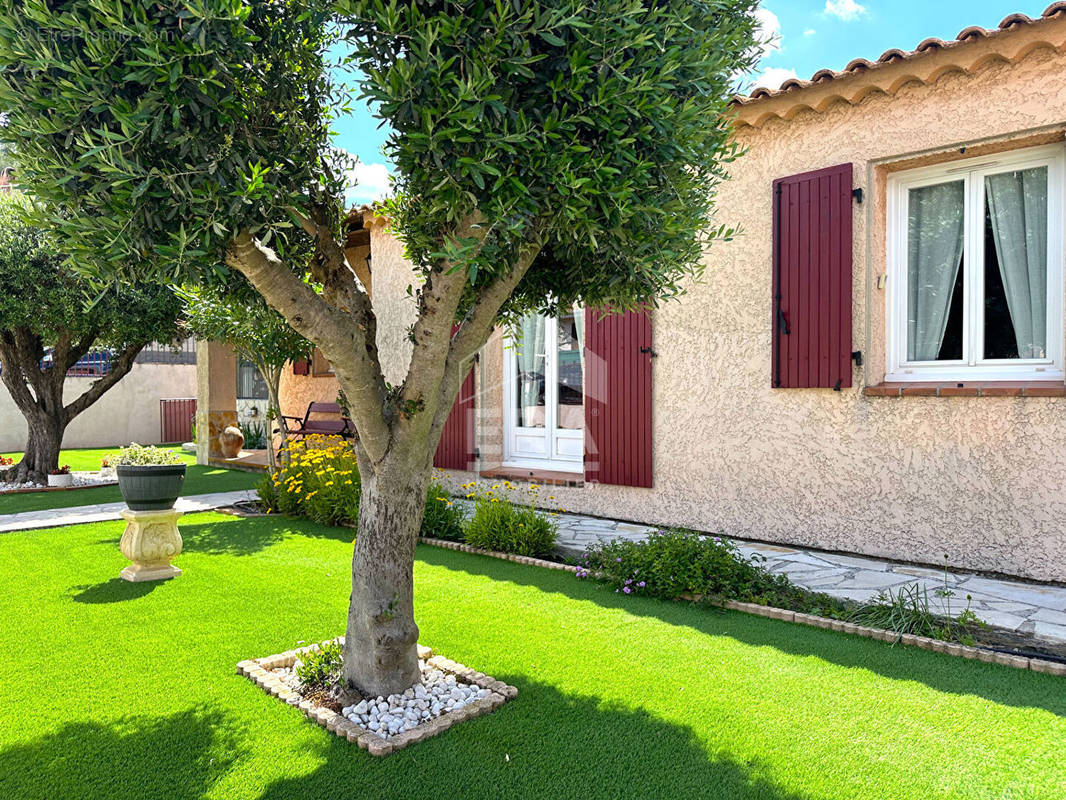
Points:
104	512
1025	608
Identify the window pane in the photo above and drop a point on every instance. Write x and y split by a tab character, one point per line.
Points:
1016	215
529	375
570	344
250	384
934	276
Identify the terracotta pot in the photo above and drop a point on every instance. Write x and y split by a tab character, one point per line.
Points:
230	441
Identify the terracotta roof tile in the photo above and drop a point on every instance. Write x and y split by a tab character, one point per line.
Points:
890	56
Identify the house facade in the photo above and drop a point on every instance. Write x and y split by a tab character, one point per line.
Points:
875	364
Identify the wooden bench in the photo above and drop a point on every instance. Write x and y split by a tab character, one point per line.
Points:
338	425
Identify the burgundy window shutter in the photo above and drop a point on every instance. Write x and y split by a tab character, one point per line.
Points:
301	367
618	398
456	448
812	279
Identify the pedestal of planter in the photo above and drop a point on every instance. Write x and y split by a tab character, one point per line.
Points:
151	541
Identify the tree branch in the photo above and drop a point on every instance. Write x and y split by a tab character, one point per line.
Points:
341	336
120	367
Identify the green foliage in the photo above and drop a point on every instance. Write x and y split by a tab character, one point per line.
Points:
600	132
157	130
141	456
443	519
255	435
48	300
907	611
321	667
498	524
597	134
234	313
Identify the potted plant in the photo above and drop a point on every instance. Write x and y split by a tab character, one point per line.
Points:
61	477
149	478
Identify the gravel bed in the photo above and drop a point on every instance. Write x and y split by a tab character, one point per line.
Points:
81	479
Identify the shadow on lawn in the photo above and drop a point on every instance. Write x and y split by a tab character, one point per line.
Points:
115	590
247	536
177	757
544	744
943	673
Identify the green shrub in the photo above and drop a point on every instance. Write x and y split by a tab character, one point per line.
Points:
320	668
672	564
255	435
499	524
145	456
907	611
443	518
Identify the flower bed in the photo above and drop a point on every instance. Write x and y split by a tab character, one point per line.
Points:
81	481
450	693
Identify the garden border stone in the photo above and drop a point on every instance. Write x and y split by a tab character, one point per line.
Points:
923	642
259	671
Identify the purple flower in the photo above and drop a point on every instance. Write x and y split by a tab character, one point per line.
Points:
618	560
626	589
641	584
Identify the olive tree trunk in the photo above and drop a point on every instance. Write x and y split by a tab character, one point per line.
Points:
43	443
380	654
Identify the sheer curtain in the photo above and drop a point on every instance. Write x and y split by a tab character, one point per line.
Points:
531	371
1017	209
934	251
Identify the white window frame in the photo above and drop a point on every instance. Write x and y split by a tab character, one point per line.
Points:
971	368
557	441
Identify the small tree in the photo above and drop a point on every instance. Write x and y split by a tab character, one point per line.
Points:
48	323
547	151
239	317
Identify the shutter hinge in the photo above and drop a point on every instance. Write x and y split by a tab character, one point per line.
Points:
857	194
783	321
650	351
477	357
856	356
477	453
837	387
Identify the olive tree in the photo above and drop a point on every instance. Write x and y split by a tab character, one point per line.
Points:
239	317
49	320
547	152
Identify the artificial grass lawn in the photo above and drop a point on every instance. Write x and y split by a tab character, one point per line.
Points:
118	690
198	480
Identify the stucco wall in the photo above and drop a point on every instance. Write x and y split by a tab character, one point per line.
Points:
917	478
128	412
978	480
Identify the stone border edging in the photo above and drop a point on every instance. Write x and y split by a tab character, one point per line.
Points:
258	670
784	615
42	489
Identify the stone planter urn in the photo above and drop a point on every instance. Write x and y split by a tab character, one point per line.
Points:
151	541
150	488
230	442
62	480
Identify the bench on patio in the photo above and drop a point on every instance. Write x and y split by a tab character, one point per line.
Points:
338	423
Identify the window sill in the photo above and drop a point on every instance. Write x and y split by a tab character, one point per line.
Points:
542	476
968	389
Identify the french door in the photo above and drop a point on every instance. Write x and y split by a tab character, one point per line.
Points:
544	397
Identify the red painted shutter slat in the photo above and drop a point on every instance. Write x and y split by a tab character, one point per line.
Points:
812	279
456	447
618	398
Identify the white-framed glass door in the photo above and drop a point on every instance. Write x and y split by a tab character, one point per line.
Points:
544	392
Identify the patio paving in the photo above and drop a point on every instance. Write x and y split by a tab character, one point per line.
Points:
78	515
1029	609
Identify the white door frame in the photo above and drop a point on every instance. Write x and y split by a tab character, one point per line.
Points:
550	447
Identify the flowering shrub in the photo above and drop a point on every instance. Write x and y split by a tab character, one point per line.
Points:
63	470
500	523
139	456
6	462
443	518
671	564
321	667
319	479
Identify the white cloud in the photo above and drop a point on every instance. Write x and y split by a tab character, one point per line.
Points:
767	32
809	32
367	183
844	9
773	77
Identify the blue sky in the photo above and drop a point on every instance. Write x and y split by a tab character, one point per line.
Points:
803	36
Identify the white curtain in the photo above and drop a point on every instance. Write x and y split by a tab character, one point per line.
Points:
1017	208
934	252
531	376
